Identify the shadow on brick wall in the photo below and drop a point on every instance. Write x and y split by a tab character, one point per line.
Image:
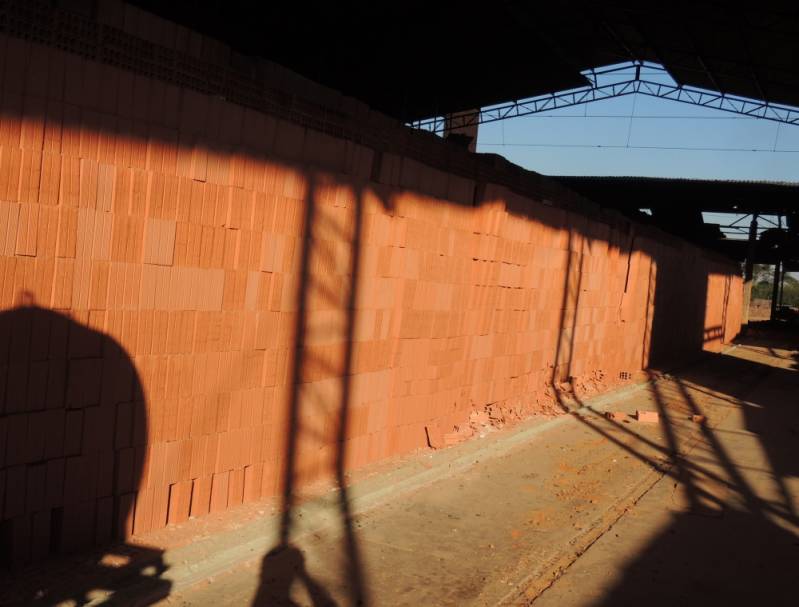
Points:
307	454
138	156
727	543
73	428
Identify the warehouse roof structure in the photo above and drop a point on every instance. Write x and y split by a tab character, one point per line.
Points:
415	59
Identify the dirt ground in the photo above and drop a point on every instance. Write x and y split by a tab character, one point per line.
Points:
612	512
573	510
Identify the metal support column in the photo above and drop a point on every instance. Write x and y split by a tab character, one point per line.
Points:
782	286
775	292
749	272
465	133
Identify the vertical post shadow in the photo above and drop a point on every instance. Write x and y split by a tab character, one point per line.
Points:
73	433
726	547
285	564
356	584
744	553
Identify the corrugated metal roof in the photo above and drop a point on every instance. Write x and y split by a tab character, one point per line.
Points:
632	193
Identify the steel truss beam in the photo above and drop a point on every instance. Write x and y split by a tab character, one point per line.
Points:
597	92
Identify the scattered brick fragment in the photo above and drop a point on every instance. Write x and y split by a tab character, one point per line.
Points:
647	417
479	418
465	431
434	436
453	438
698	419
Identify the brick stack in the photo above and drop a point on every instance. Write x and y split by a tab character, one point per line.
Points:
155	268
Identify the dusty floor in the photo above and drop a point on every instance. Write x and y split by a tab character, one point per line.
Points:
576	510
714	525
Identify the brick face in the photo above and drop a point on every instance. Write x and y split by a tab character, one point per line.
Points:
175	265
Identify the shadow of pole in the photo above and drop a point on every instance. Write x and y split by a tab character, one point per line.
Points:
684	475
745	553
285	563
292	420
755	505
679	468
356	584
561	369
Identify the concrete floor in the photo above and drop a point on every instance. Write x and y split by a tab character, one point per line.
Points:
722	528
574	510
583	511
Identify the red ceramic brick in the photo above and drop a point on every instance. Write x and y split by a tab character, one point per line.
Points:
11	120
160	506
16	442
124	516
201	495
104	521
649	417
143	512
17	542
80	477
253	481
235	488
3	440
10	173
77	530
125	471
15	492
179	502
270	480
52	136
54	492
219	492
40	535
35	492
30	176
105	473
69	189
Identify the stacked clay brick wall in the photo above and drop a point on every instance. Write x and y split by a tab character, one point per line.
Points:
202	299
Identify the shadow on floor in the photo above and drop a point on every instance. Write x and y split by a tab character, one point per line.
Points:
73	428
731	546
735	558
281	569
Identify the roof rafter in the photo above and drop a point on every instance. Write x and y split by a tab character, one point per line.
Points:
597	92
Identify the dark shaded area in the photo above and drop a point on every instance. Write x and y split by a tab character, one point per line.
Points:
285	564
770	334
676	205
719	196
679	293
728	547
699	560
426	60
281	568
73	428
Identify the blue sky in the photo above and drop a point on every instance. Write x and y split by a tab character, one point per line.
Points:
643	132
552	142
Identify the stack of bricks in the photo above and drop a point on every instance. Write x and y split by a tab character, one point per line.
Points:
156	267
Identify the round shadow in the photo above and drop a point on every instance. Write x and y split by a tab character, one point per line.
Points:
73	430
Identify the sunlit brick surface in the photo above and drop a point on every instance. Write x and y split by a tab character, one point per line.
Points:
155	269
